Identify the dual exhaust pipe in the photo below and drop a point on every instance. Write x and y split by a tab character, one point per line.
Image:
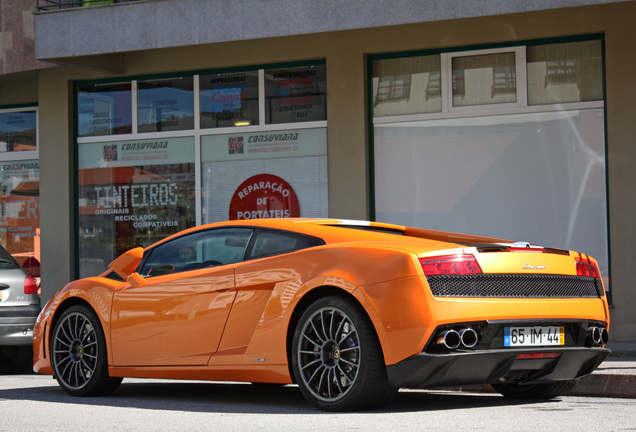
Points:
454	339
597	335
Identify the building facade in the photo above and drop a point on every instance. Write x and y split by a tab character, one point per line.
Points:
123	122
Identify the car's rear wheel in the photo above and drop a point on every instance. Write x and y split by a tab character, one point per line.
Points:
536	391
78	354
337	359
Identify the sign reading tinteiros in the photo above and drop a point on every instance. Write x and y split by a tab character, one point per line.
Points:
264	196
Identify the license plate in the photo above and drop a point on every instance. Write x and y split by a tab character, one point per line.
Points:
533	336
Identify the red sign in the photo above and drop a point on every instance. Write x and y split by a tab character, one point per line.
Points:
264	196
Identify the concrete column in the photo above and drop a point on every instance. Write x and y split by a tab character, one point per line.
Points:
347	135
57	214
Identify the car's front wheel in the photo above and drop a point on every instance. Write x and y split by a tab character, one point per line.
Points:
536	391
337	359
78	354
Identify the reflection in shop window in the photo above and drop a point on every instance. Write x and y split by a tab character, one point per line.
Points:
565	72
296	94
104	109
255	175
20	211
132	193
165	104
409	85
229	99
484	79
17	131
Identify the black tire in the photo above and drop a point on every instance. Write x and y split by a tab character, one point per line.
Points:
337	358
536	391
78	354
15	360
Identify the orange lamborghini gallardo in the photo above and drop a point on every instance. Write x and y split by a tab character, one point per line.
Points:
349	311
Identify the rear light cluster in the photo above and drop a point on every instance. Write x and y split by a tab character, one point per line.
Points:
450	265
585	267
30	286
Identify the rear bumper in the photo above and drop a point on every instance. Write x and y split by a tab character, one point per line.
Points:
494	366
16	325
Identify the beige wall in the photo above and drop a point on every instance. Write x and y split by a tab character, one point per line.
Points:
345	53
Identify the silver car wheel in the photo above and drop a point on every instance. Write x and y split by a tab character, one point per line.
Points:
329	354
75	350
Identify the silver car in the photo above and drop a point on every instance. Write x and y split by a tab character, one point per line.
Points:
19	308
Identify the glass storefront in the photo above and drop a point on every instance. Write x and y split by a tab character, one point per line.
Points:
165	104
18	131
20	187
104	109
149	172
516	150
139	192
273	174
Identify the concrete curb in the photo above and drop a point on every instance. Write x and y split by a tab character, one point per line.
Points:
606	385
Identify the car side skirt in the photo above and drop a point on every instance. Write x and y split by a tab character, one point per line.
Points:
271	374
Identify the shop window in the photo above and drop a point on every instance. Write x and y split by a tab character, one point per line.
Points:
132	193
229	99
20	210
256	175
491	140
104	109
409	85
137	189
296	94
17	131
484	79
165	104
565	72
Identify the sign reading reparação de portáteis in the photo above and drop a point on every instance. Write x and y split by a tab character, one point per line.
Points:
264	196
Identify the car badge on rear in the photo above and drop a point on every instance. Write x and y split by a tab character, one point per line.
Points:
532	267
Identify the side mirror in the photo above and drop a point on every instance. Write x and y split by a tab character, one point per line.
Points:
136	280
126	264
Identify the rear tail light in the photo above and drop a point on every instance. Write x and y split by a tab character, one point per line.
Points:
30	286
450	264
585	267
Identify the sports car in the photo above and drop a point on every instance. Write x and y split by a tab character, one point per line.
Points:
349	311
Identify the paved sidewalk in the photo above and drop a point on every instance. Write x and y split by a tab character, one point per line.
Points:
615	377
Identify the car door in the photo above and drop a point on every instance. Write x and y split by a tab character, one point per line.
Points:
177	317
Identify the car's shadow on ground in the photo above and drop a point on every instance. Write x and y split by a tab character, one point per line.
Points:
245	398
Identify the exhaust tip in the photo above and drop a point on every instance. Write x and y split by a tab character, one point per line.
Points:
469	337
449	339
598	335
594	335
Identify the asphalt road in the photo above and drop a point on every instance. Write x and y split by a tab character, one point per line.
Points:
35	403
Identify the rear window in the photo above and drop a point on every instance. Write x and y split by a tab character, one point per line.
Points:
269	243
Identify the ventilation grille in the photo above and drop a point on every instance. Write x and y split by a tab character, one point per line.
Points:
515	286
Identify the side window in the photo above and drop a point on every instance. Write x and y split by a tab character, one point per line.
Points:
268	243
196	251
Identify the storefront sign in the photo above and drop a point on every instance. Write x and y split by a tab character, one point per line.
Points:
264	196
264	145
